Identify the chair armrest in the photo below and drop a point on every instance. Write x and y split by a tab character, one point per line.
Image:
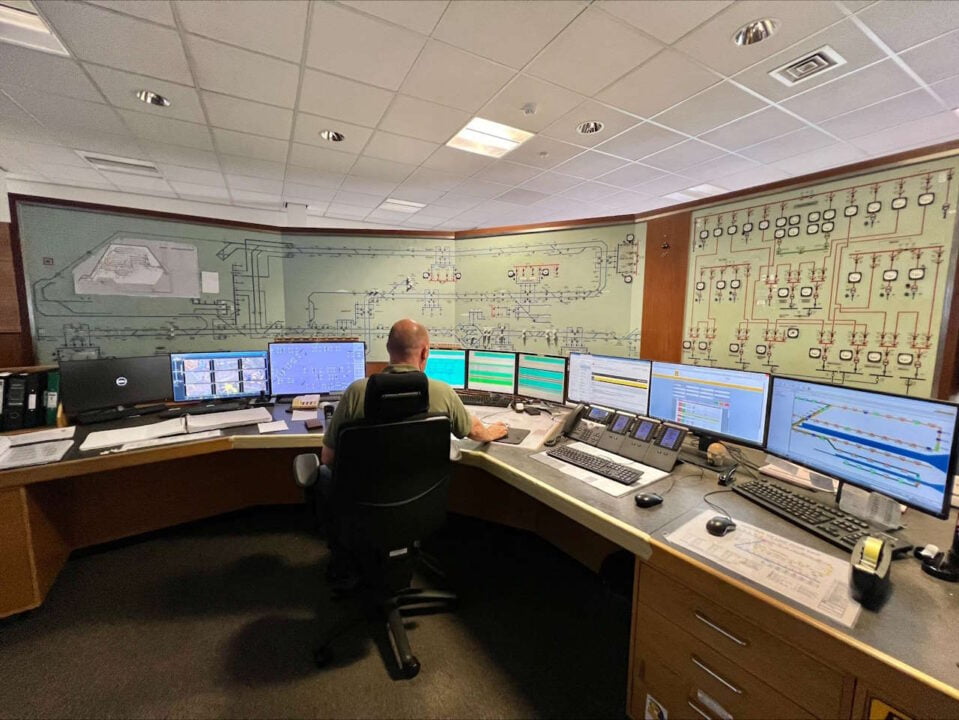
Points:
305	469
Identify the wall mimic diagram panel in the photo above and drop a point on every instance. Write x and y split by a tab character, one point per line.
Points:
843	282
103	284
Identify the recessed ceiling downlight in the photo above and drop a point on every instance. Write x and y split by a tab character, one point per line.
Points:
332	136
151	98
590	127
755	31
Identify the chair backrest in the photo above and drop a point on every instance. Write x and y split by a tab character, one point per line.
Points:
393	467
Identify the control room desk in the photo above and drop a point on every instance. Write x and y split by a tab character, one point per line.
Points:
701	639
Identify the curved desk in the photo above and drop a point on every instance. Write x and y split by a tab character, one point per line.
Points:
704	644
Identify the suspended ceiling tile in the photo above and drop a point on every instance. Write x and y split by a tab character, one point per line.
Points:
437	179
935	60
418	15
157	11
321	159
61	113
45	73
309	176
399	148
659	83
547	101
631	176
252	167
193	176
924	131
358	199
309	127
543	152
713	171
665	21
456	161
273	27
591	52
120	89
641	141
179	155
503	30
348	43
254	184
247	116
232	142
385	170
507	173
822	159
683	155
591	192
203	193
754	176
755	128
424	120
521	196
329	96
804	140
232	71
888	113
713	107
614	122
590	165
118	41
904	24
309	193
550	183
711	43
865	87
451	77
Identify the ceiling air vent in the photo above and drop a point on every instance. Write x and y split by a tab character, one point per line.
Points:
111	163
815	63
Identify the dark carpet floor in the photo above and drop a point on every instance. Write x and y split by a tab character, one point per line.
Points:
218	618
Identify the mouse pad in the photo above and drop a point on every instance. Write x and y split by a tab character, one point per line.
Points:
514	436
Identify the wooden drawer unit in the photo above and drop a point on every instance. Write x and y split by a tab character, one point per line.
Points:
796	675
707	676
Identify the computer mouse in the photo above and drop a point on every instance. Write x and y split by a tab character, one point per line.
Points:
530	410
720	525
519	407
648	500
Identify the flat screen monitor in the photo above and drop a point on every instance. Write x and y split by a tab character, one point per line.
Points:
712	402
492	371
616	382
448	366
542	377
114	382
219	375
899	446
300	368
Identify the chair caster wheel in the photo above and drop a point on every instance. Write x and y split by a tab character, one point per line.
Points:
322	655
412	668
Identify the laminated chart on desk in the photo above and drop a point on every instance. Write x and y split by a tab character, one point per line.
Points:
841	282
809	577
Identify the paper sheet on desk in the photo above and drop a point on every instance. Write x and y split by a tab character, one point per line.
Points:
610	487
40	436
275	426
802	574
23	455
108	438
303	415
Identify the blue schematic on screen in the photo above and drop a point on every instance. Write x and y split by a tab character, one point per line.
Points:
448	366
712	401
894	445
219	375
315	367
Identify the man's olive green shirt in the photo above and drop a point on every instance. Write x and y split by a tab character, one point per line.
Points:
443	399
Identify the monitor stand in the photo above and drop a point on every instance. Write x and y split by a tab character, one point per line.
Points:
797	475
695	451
945	565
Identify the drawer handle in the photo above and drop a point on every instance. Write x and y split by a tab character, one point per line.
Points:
722	631
698	711
705	668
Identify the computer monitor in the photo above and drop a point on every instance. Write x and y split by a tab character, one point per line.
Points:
448	366
901	447
616	382
712	402
219	375
542	377
491	370
114	382
298	368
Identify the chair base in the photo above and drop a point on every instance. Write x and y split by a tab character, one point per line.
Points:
415	601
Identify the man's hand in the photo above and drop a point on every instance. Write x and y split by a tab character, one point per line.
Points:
486	433
497	430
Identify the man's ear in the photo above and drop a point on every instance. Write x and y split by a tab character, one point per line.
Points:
424	354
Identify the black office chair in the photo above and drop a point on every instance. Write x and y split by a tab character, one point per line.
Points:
390	487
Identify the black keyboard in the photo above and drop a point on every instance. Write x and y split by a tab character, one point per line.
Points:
202	409
598	465
491	400
96	416
825	520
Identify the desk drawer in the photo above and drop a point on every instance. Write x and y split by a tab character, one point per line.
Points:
791	672
708	679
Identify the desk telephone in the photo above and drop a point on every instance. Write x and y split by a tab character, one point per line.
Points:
638	438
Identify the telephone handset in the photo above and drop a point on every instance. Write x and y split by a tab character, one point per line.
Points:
565	427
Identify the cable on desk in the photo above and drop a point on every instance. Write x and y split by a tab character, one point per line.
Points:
713	505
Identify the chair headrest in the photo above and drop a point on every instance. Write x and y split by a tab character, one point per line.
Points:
394	396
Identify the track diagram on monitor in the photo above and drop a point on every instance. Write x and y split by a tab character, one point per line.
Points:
843	282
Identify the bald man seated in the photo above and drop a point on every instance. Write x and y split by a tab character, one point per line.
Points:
408	346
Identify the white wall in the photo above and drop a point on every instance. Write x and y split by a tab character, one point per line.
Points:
4	203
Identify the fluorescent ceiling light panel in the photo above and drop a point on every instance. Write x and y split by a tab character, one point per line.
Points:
680	197
404	206
705	190
21	25
113	163
485	137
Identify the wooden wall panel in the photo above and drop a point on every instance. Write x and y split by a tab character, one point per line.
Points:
16	346
9	305
667	257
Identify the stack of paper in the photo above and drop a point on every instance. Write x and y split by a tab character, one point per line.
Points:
14	456
41	436
172	440
109	438
230	418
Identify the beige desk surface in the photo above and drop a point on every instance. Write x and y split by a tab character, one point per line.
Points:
917	627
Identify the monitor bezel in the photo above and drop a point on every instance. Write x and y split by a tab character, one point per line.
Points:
701	431
565	360
269	348
266	367
587	401
950	477
466	363
501	352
